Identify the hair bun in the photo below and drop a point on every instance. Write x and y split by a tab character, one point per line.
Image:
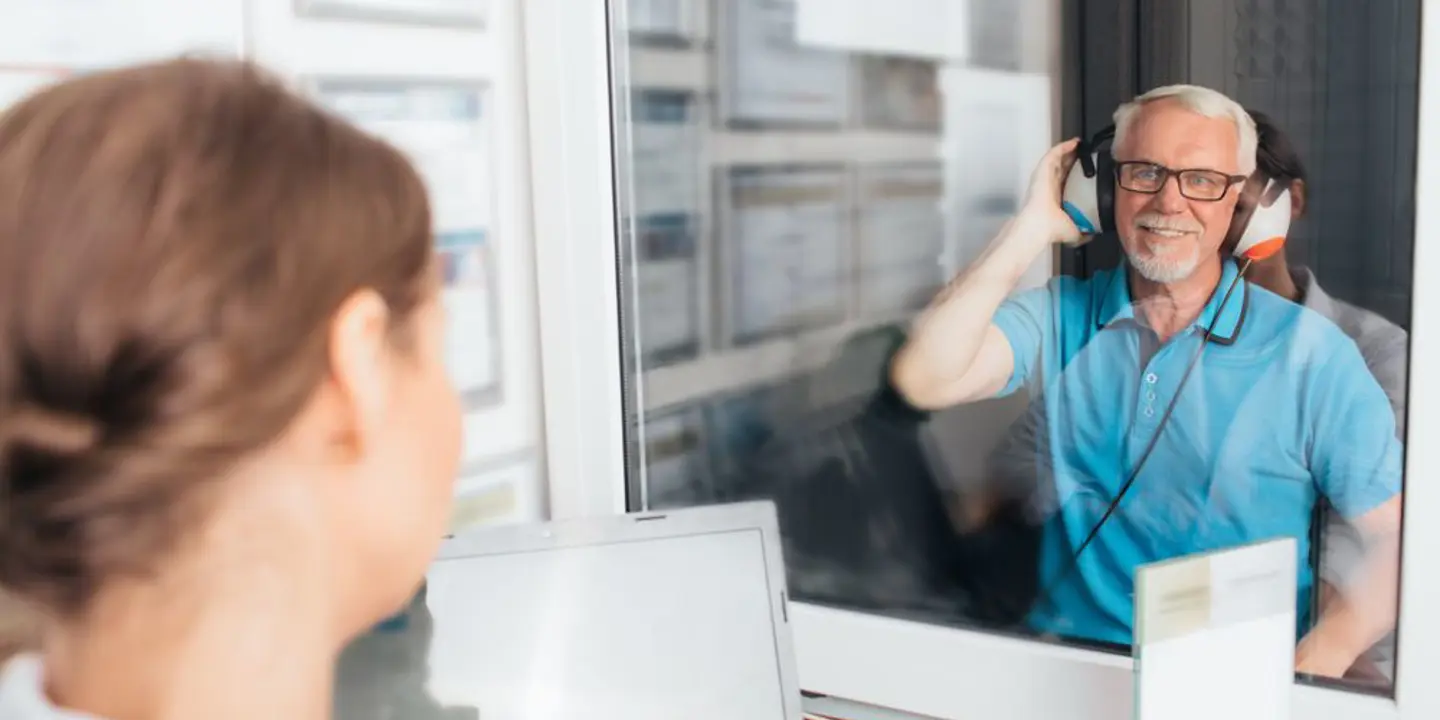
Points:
38	429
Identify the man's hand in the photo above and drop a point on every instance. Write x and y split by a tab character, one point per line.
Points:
1042	212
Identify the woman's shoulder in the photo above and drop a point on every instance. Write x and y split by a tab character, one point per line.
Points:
21	694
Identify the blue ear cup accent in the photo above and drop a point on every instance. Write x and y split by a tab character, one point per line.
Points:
1077	216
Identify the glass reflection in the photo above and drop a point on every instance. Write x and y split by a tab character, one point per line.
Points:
825	201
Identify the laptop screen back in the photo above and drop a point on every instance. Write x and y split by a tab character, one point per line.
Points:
637	629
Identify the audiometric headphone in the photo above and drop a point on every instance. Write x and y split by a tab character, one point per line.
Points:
1257	231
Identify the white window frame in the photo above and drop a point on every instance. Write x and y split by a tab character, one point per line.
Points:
936	671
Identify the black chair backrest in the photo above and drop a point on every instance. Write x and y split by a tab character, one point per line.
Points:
863	519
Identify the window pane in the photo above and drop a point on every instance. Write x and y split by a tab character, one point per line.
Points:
798	189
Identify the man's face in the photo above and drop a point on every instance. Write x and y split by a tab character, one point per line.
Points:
1167	235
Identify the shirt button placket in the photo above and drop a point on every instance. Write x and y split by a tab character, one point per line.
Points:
1147	395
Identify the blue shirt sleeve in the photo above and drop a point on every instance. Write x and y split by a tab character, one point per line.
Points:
1355	455
1024	319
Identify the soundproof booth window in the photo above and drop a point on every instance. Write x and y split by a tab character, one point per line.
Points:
985	374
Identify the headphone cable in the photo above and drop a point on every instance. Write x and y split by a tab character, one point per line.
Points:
1044	597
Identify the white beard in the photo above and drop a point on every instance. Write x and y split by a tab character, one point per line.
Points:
1165	268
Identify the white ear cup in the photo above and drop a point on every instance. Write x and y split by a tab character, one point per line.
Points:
1265	233
1080	200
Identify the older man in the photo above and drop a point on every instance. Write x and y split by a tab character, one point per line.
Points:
1230	411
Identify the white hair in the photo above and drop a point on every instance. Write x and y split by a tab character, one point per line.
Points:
1197	99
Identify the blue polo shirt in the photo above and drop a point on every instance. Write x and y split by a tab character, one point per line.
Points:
1279	410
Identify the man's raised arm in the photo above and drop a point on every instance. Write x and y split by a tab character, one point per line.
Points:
955	353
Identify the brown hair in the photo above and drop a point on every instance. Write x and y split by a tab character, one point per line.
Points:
174	240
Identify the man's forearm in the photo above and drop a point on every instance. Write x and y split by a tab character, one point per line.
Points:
947	335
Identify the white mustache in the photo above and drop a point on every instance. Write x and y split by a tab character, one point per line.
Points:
1160	222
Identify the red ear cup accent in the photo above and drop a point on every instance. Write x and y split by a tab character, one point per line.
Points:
1264	249
1266	227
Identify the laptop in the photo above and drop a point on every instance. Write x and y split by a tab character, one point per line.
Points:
649	616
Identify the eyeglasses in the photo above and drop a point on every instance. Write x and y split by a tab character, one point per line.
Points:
1149	178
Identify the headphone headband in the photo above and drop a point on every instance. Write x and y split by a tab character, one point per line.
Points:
1087	150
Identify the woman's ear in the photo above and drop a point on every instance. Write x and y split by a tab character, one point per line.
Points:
360	368
1248	196
1297	199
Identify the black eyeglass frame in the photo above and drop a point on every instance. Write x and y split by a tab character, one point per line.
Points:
1179	176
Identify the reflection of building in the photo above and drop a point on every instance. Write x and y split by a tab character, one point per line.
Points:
676	472
664	215
462	258
787	197
900	93
901	237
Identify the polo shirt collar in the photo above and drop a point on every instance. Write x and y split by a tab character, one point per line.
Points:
1115	304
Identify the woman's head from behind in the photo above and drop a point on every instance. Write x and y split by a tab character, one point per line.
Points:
220	350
